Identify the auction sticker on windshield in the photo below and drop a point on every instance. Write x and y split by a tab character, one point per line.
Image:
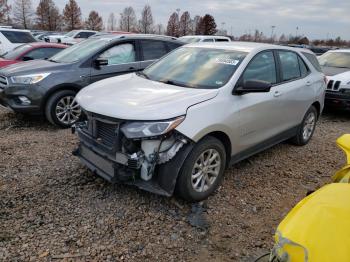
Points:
227	61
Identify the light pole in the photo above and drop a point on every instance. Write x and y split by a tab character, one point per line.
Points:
223	28
296	31
272	29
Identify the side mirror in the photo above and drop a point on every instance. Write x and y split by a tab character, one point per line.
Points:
101	62
252	86
27	58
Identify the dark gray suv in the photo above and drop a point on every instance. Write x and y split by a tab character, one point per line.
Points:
49	86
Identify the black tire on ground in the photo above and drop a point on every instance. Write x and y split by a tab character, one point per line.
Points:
51	105
184	185
300	139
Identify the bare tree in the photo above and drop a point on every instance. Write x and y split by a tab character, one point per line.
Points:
207	25
173	25
5	9
128	20
72	15
23	13
146	21
94	21
185	24
48	16
112	22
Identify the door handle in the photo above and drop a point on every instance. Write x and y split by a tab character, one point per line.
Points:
308	83
277	94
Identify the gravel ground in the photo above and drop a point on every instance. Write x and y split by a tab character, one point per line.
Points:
52	208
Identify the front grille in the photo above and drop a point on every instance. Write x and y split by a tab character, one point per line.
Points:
333	85
330	85
3	82
336	85
106	133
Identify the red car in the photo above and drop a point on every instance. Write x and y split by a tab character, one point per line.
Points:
30	51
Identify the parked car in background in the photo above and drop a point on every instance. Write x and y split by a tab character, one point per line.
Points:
11	38
319	50
70	38
30	51
178	124
204	38
336	65
49	86
318	227
41	37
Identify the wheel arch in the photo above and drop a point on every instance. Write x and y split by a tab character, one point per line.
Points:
317	105
72	87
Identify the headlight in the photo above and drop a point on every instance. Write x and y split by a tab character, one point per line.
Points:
150	129
29	79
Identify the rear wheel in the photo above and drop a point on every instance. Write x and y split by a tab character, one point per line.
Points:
306	128
62	110
202	171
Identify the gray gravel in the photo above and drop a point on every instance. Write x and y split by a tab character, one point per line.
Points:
52	208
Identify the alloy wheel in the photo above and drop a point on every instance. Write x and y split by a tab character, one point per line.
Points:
309	126
206	170
67	110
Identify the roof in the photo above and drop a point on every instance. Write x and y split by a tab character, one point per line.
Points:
245	46
340	50
134	36
204	36
11	29
45	44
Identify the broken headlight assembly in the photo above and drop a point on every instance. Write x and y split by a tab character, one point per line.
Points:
147	129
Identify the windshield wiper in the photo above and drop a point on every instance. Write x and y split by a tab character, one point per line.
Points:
141	73
174	83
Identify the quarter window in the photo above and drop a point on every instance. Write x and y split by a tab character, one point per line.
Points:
303	68
120	54
261	68
153	50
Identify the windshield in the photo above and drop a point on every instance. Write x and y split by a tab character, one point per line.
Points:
196	67
335	59
71	33
14	53
190	39
79	51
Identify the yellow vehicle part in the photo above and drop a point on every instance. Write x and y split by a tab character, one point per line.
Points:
320	223
343	175
317	229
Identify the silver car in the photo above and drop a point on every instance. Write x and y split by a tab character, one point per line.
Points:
177	125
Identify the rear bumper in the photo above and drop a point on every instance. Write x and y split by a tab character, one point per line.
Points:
338	100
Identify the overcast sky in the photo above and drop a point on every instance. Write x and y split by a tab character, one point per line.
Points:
314	18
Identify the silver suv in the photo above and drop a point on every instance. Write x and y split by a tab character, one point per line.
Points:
178	124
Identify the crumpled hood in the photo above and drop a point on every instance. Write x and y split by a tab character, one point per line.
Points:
343	77
31	67
332	71
136	98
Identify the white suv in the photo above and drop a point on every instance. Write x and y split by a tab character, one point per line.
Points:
184	119
11	38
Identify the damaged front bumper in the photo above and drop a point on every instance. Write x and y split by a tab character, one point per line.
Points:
150	164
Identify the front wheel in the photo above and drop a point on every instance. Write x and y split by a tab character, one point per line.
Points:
62	109
202	171
306	128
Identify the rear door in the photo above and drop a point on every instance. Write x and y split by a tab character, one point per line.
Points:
295	92
151	51
122	58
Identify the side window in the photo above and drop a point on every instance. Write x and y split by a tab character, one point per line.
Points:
172	46
18	36
221	40
262	67
120	54
42	53
289	65
152	50
304	70
208	40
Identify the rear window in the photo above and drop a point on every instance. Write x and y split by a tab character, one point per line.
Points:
313	60
18	37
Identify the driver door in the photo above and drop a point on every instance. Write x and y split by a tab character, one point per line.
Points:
122	59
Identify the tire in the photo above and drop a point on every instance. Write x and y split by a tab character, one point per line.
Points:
59	104
301	138
186	184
